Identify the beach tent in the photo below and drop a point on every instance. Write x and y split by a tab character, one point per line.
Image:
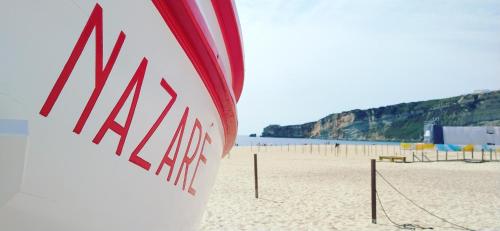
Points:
468	148
422	146
448	147
407	146
488	148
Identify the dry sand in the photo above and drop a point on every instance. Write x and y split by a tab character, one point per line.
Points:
327	191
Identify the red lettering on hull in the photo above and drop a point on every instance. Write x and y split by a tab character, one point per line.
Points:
187	160
110	122
202	158
95	21
101	75
177	137
134	157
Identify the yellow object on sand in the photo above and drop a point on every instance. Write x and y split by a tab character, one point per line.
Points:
419	146
406	146
422	146
428	146
468	148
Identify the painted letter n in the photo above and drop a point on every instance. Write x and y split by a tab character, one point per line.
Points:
101	73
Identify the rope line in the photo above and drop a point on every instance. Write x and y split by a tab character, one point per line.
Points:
401	226
420	207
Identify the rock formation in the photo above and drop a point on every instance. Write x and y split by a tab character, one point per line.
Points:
400	122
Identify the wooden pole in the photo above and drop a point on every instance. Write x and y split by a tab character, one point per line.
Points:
437	155
255	175
482	154
374	191
446	158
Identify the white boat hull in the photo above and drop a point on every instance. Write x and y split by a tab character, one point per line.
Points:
116	151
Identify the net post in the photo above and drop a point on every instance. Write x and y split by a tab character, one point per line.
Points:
373	191
255	175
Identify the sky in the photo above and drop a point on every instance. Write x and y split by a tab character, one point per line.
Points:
306	59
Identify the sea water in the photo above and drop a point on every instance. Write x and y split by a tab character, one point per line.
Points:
248	141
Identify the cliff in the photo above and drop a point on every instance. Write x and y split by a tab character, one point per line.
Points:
400	122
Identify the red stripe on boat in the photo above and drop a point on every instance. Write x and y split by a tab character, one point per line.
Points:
186	22
227	17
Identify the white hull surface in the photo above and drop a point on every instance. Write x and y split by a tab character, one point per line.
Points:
114	115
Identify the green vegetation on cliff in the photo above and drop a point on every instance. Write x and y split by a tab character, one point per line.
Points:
400	122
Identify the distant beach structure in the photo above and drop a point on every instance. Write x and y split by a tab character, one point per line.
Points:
478	135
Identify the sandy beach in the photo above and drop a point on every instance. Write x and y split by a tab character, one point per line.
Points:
304	188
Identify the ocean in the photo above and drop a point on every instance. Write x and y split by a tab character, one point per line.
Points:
242	140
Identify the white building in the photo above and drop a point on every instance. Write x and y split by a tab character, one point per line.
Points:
472	135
